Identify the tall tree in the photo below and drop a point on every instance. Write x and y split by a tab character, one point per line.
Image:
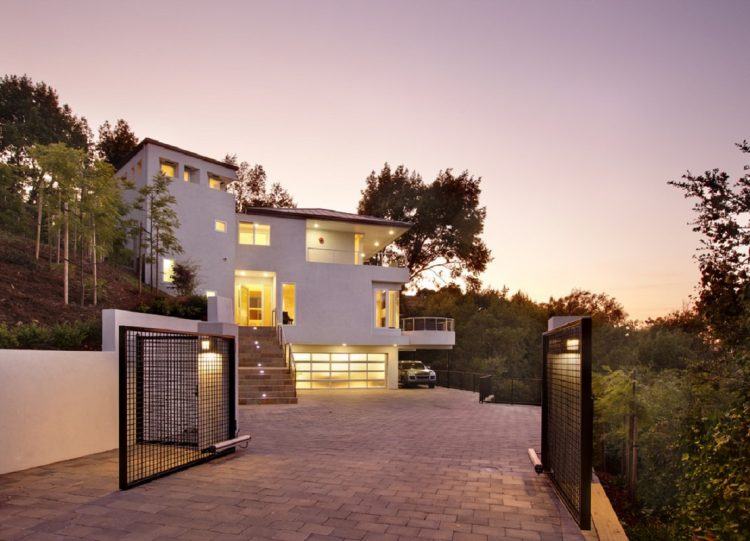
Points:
116	143
61	167
251	188
30	114
722	209
159	234
445	239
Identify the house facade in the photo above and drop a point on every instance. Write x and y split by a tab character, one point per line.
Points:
310	273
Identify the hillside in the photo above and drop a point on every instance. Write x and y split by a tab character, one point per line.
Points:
32	292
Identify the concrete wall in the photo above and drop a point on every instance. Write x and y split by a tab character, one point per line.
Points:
56	405
113	319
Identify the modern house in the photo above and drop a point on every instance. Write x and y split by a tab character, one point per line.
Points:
309	276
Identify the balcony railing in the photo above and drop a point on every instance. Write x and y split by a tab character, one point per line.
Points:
342	257
427	324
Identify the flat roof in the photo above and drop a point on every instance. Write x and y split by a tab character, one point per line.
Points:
149	141
325	214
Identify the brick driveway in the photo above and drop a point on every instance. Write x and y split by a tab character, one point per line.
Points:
413	464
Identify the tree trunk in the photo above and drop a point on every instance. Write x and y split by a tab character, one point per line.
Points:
83	275
156	259
49	239
141	269
39	205
93	259
59	209
66	243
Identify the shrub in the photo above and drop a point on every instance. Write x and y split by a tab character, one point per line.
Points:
32	336
184	278
7	338
192	307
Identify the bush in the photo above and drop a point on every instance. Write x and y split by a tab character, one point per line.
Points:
82	335
184	278
192	307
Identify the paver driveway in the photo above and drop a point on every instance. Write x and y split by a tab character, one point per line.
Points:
412	464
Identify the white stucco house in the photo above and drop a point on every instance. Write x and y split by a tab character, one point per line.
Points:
305	270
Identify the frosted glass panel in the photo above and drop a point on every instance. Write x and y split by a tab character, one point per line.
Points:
376	356
321	356
340	370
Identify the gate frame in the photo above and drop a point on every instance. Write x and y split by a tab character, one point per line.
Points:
587	418
123	413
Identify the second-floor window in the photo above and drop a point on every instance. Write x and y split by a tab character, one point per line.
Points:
214	182
255	234
220	226
386	309
190	174
167	168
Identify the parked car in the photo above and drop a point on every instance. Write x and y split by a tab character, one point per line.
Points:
413	373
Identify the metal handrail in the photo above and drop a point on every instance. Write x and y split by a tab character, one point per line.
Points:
426	323
288	353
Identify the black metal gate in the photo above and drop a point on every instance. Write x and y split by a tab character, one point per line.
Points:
567	415
177	399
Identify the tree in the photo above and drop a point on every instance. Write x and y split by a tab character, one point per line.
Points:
159	236
60	168
250	188
446	216
722	209
600	306
184	278
116	143
31	114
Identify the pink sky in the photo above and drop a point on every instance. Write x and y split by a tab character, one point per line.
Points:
574	114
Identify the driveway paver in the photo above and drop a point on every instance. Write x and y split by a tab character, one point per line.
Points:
364	465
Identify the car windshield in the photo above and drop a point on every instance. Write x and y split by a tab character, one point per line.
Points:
412	364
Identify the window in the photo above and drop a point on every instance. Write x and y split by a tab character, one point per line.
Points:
380	313
288	304
358	243
210	293
252	233
214	182
190	174
220	226
167	270
386	309
139	167
168	168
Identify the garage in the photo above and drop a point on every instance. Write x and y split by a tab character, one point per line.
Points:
329	370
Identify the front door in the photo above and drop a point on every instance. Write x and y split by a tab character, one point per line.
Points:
254	307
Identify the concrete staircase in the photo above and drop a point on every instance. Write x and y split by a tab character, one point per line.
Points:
263	378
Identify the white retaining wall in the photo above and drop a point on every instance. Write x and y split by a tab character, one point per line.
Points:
56	405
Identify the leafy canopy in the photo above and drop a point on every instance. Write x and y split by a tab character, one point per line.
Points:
116	143
448	222
251	188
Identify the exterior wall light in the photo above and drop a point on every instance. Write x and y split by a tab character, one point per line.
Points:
572	344
205	345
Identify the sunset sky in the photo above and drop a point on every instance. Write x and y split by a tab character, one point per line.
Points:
575	114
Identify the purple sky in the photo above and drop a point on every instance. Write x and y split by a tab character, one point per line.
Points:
575	114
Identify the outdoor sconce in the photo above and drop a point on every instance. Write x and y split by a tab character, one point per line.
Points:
572	344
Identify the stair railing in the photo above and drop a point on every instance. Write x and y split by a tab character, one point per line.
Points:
288	353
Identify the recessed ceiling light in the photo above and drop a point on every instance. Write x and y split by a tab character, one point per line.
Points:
391	232
344	344
377	243
316	225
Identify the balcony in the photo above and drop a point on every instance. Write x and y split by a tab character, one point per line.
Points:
343	257
429	332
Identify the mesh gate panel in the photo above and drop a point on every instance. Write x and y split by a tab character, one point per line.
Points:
567	415
176	400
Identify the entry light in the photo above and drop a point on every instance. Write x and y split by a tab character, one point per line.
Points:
316	226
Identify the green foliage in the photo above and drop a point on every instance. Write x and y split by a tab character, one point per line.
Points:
445	240
184	278
116	143
714	491
192	307
251	188
83	335
31	114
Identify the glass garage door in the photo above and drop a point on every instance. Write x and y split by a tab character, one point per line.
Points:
340	370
